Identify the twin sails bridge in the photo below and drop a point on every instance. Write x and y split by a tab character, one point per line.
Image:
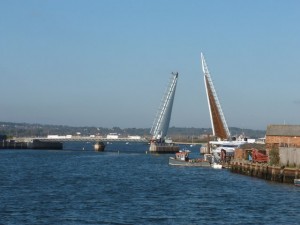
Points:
161	122
218	122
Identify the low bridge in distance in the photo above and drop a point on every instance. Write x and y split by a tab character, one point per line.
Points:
83	139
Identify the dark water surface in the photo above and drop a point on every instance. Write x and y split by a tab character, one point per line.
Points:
123	185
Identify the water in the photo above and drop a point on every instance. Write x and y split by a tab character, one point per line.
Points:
123	185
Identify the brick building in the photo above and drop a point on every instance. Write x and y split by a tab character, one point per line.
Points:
282	136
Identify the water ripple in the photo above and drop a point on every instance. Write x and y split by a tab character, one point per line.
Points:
85	187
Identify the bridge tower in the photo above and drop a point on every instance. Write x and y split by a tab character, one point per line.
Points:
162	120
218	122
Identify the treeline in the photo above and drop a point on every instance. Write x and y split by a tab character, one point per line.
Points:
39	130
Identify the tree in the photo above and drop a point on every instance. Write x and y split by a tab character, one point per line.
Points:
274	156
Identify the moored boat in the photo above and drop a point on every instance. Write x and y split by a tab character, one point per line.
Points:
182	159
216	166
222	149
297	182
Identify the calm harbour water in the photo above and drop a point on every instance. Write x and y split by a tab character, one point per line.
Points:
123	185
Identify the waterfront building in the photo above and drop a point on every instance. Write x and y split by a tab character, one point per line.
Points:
282	136
286	139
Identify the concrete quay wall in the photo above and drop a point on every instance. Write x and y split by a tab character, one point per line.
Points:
265	171
35	144
163	148
13	145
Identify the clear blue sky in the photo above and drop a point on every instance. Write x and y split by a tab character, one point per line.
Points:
107	63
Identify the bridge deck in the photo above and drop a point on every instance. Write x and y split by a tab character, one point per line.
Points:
80	139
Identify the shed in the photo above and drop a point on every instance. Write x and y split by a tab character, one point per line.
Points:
283	136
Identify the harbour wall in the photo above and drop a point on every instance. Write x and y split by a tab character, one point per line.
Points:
13	145
265	171
35	144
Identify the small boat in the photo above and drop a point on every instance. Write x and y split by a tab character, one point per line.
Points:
297	182
216	166
182	159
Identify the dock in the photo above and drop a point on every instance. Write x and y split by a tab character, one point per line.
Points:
33	144
265	171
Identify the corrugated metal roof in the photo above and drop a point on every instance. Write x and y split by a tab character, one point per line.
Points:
283	130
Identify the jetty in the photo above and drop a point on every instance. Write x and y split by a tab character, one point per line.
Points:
56	142
32	144
280	174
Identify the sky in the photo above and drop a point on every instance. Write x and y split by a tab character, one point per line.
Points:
107	63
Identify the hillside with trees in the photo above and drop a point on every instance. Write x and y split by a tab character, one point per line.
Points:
176	133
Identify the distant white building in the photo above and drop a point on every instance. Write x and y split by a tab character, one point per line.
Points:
112	136
134	137
58	136
53	136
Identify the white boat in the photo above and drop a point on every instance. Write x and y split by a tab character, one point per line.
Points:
224	149
211	159
216	166
297	182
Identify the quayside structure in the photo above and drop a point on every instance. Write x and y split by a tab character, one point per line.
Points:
159	143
